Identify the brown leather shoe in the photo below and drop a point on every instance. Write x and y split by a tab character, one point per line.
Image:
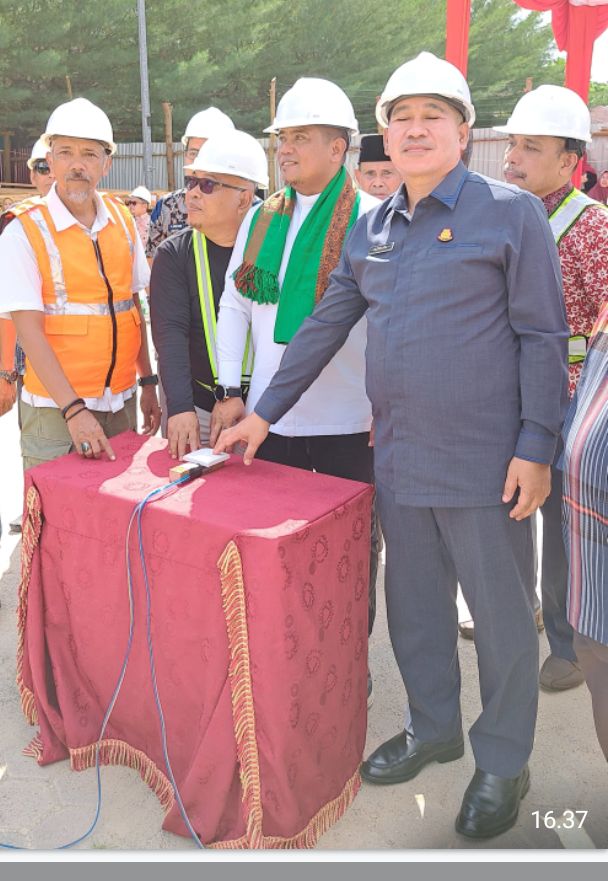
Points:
560	674
467	628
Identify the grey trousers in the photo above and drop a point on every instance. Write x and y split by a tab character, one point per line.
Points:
428	551
554	582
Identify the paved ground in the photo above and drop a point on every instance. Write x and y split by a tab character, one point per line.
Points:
44	807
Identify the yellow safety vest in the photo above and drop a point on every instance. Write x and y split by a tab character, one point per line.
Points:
208	312
561	221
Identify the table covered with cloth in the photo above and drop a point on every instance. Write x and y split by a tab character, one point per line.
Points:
259	594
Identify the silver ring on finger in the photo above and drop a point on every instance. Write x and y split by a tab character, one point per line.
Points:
85	447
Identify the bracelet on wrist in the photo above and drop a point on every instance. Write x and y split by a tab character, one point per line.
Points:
71	416
72	404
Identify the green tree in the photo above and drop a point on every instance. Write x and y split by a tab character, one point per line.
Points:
43	41
598	95
225	52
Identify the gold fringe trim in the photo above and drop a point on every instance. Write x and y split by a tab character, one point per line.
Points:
34	748
243	714
308	837
239	674
117	752
32	525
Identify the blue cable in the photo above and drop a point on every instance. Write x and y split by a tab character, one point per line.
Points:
159	708
137	512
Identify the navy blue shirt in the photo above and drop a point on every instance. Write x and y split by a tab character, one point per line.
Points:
466	344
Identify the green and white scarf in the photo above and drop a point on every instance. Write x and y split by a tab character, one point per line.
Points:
315	252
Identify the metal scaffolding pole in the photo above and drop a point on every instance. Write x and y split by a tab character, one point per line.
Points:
146	129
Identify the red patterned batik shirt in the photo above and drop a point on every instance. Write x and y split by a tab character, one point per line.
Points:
583	254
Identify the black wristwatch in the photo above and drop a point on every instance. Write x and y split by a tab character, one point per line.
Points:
9	375
148	380
223	392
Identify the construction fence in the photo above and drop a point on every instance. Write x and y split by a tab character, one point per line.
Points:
127	166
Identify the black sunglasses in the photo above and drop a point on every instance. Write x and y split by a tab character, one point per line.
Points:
41	168
207	185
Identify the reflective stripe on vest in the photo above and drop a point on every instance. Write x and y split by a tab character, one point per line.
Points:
568	212
90	317
577	349
561	221
90	308
117	214
205	295
61	295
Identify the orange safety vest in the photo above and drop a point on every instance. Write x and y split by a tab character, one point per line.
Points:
90	318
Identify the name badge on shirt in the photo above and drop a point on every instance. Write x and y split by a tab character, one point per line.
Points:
381	249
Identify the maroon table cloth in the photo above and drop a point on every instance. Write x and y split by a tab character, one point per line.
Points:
259	582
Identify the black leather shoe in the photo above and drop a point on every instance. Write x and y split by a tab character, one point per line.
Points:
491	804
403	756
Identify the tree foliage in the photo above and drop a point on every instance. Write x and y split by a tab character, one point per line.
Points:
225	52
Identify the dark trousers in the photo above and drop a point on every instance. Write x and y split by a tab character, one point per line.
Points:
555	573
428	552
341	455
593	658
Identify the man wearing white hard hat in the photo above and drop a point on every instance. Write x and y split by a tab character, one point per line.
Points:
188	278
170	214
466	370
139	202
282	259
548	132
40	173
75	262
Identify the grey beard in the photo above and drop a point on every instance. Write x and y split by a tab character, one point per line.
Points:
78	197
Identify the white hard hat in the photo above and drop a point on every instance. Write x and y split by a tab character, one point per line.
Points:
80	118
142	193
550	110
426	75
39	151
207	123
233	152
313	101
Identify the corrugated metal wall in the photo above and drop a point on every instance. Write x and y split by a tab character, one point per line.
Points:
488	152
598	152
127	170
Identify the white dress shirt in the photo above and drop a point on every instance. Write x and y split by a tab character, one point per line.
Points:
22	285
336	403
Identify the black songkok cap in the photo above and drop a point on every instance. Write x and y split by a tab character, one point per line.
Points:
372	149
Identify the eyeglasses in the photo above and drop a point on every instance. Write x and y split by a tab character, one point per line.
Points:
130	203
207	185
41	168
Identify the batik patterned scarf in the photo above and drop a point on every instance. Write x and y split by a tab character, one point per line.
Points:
315	252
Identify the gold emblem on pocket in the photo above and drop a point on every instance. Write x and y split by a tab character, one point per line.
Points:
445	235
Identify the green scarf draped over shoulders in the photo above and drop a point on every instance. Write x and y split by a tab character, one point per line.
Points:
314	254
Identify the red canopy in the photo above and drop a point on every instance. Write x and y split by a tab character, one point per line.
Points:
457	33
576	25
